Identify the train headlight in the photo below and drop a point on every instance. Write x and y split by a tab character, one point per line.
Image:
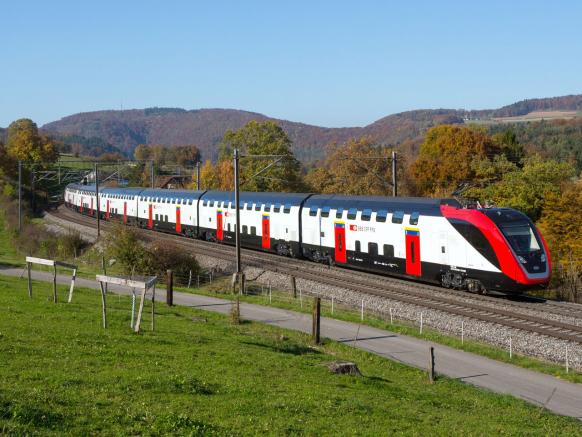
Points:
521	259
543	258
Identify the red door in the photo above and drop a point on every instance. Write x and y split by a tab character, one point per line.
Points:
340	242
150	220
178	220
413	252
266	231
219	233
124	212
107	211
81	205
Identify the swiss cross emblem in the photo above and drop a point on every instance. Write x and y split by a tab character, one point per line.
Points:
226	213
353	228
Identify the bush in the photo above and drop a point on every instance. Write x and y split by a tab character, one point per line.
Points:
168	256
124	245
71	244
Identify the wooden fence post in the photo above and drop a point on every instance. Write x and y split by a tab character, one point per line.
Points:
55	283
103	304
294	286
28	266
169	288
154	307
431	365
315	329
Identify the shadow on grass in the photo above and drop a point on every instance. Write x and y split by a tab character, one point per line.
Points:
285	347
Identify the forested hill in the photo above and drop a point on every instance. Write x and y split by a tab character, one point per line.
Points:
124	130
206	128
564	103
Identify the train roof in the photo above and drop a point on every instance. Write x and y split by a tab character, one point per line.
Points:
423	205
257	197
172	194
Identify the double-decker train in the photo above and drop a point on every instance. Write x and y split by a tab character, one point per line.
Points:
424	239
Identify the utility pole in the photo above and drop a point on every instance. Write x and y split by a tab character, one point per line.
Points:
237	206
19	196
198	175
97	201
394	183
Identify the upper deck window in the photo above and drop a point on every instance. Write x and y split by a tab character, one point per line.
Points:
381	216
414	218
325	211
398	217
366	215
352	212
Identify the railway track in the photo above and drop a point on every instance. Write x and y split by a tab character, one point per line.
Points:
480	308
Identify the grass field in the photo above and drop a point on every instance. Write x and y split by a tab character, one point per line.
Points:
61	373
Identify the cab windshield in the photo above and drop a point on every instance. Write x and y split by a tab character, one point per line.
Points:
521	237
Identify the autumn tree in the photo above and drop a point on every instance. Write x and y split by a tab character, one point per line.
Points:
446	155
527	188
354	168
174	154
263	138
24	143
561	226
208	176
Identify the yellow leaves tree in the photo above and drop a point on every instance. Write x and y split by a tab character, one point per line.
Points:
26	144
354	168
446	156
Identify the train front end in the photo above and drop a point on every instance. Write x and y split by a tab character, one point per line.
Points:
525	260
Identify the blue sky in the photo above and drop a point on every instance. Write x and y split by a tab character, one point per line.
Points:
330	63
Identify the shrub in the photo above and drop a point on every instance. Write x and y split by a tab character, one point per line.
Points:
165	255
71	244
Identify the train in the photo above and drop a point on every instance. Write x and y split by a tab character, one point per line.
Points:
431	240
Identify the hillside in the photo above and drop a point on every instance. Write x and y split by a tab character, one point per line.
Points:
124	130
206	127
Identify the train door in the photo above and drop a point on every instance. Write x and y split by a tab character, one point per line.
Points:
150	219
340	242
219	225
178	220
124	212
412	251
81	205
266	238
107	211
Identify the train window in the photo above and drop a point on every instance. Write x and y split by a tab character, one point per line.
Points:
156	217
325	211
366	215
398	217
173	201
287	209
381	216
388	251
189	201
211	203
313	211
339	213
352	213
267	207
414	218
245	229
257	206
204	203
373	249
277	207
358	247
253	230
249	206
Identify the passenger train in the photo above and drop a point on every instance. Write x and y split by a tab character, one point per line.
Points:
425	239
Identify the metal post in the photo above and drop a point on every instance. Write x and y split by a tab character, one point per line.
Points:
237	206
19	196
198	175
394	182
97	200
431	364
316	324
169	288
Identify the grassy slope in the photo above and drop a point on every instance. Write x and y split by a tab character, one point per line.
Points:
61	373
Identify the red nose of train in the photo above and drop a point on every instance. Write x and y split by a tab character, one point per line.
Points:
520	248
